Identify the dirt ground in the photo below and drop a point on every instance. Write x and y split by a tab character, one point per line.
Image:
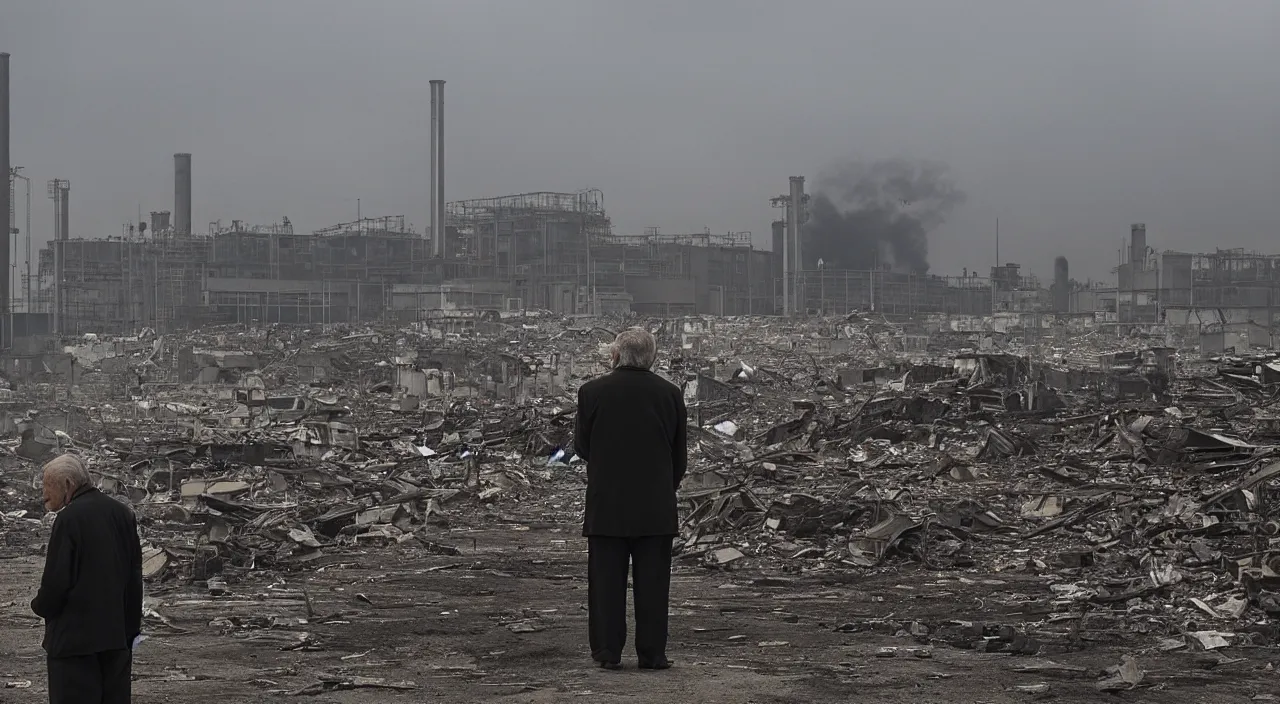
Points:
506	622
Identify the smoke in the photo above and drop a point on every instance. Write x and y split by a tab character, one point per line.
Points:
865	215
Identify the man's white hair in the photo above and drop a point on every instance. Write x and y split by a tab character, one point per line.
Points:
68	468
635	347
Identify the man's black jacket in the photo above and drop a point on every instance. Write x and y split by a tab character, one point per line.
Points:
631	432
91	594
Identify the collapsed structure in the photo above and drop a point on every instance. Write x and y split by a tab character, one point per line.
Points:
1119	484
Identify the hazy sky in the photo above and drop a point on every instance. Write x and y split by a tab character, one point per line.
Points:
1067	120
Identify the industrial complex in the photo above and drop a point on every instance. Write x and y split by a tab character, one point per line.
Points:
547	251
557	252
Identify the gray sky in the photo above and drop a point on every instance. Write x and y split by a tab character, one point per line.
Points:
1067	120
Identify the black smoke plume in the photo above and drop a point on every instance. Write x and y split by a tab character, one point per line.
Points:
878	214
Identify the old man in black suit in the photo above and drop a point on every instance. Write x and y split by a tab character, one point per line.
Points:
91	593
631	433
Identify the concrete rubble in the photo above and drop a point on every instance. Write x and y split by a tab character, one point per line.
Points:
1130	475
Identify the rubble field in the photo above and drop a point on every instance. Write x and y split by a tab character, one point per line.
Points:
881	510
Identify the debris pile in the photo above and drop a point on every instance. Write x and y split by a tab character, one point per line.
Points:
1131	482
1134	484
267	449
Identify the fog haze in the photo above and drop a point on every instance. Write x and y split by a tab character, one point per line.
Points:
1067	121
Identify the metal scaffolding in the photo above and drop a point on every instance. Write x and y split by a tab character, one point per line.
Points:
539	243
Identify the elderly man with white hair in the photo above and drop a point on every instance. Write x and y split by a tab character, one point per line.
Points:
91	592
631	433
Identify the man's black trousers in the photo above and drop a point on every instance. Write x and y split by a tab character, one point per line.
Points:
102	678
650	559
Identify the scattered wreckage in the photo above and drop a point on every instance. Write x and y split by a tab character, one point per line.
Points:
1132	480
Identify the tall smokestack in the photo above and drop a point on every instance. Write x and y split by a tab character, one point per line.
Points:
1061	286
182	194
797	262
779	237
60	193
60	251
444	242
431	188
5	333
1138	247
791	248
64	210
437	168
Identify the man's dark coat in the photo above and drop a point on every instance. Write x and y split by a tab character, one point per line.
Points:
91	593
631	433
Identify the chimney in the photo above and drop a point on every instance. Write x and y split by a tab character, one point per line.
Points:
60	193
791	298
1138	248
779	238
5	333
437	168
182	194
1061	286
797	255
64	210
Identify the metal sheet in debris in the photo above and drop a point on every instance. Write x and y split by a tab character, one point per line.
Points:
871	546
1197	438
